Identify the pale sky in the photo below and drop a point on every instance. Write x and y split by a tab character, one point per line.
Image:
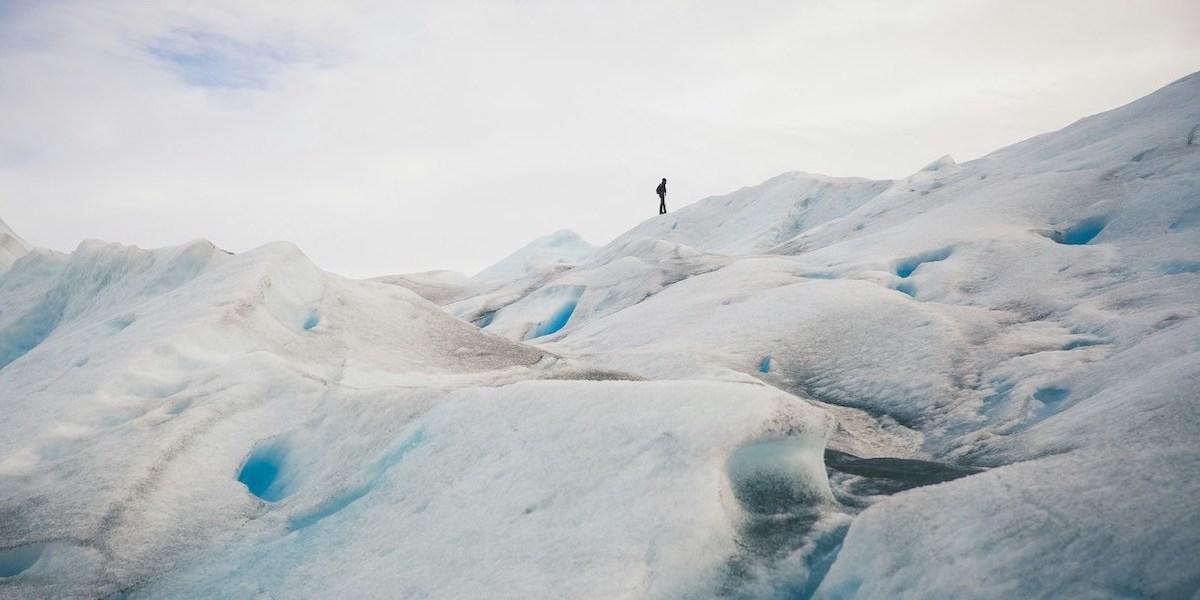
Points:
385	137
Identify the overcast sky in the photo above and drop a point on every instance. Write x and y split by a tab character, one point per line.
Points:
386	137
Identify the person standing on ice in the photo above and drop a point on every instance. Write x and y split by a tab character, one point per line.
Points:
662	197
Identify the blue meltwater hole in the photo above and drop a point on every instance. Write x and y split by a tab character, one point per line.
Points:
261	472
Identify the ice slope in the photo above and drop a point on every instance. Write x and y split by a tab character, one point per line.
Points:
12	246
754	219
186	422
439	287
1031	313
563	247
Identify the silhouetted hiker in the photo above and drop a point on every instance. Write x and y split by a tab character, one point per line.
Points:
662	197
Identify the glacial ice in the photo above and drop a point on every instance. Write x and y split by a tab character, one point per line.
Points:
733	401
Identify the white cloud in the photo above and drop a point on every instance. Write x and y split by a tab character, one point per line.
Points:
384	137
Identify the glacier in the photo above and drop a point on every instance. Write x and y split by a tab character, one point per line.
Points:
978	381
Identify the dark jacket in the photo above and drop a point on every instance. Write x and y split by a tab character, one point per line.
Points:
662	188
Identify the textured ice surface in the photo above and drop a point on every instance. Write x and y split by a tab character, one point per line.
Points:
732	400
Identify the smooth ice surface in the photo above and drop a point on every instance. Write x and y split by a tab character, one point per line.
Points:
261	471
14	561
978	381
557	320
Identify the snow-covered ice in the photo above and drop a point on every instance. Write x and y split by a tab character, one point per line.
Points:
976	381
